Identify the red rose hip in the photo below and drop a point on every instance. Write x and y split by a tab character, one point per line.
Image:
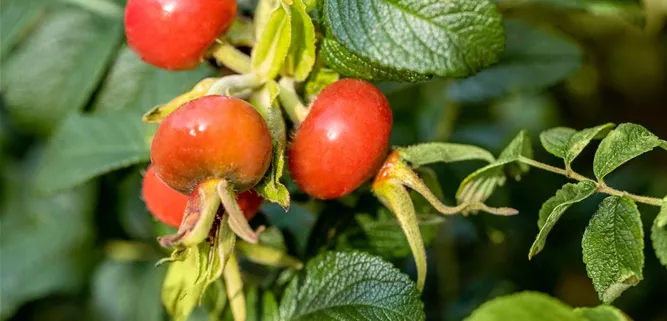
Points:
168	205
212	137
175	34
343	140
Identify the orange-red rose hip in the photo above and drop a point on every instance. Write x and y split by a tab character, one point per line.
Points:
175	34
212	137
343	140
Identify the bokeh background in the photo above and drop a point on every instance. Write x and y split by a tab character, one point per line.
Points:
88	253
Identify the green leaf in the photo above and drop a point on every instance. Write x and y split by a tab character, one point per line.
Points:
554	208
54	73
352	65
182	287
555	140
301	56
269	54
88	146
16	18
524	306
582	138
270	310
395	197
622	144
533	59
601	313
351	286
384	237
265	101
38	232
298	220
452	39
318	80
135	85
613	247
263	12
659	234
127	291
479	185
428	153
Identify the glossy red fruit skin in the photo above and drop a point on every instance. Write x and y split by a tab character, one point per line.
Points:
168	205
175	34
212	137
343	140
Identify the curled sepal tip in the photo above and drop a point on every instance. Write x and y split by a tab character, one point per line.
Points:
396	197
200	213
237	221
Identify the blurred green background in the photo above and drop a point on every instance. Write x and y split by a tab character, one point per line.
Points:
88	253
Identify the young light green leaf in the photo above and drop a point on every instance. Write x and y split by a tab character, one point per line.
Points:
554	208
524	306
601	313
428	153
54	73
533	59
262	15
301	56
268	56
265	101
135	85
663	144
318	79
350	64
613	245
452	39
270	310
351	286
127	291
555	140
396	197
16	18
182	287
659	234
622	144
582	138
479	185
87	146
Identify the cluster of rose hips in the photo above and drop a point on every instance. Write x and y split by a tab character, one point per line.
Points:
221	144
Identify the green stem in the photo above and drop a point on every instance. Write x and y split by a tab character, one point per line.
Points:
234	285
291	102
234	84
601	186
232	58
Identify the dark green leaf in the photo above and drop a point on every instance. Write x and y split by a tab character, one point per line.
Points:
624	143
427	153
298	221
582	138
452	39
351	286
132	213
38	232
56	70
87	146
554	208
555	140
613	247
601	313
352	65
524	306
16	18
301	56
659	234
135	85
533	59
127	291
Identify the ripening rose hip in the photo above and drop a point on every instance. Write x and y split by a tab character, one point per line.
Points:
343	140
212	137
175	34
168	205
